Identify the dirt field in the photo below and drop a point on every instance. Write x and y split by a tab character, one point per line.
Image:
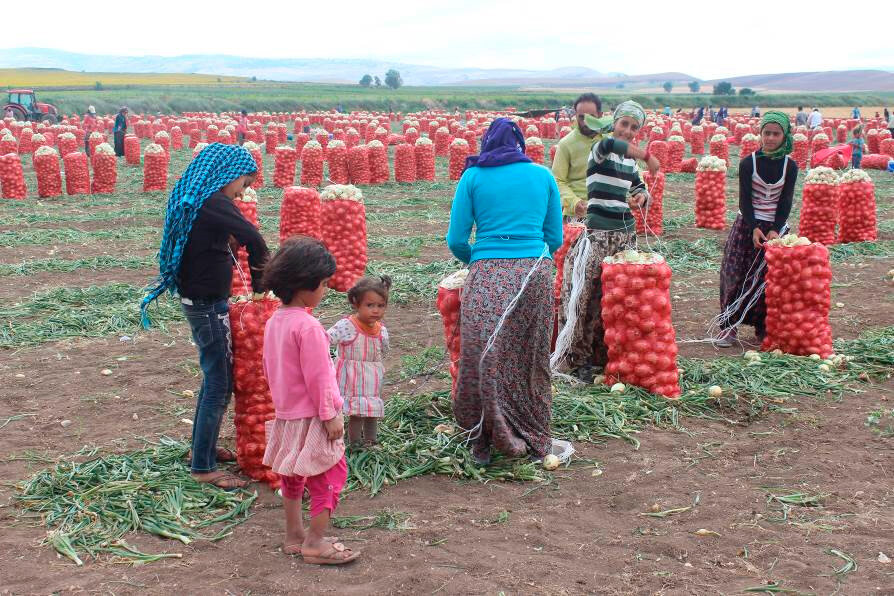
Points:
577	533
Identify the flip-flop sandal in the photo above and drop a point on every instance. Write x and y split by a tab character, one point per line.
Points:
336	554
225	480
295	549
223	454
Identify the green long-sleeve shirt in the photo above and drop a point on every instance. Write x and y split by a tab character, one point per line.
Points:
570	168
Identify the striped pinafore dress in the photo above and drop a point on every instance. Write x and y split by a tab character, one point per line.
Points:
360	367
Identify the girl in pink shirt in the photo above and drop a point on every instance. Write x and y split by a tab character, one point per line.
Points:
305	442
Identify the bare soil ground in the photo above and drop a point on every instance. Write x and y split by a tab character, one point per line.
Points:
580	534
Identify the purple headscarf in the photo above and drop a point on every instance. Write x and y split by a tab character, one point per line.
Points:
502	144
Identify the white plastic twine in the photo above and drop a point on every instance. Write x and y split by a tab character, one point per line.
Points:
244	282
582	250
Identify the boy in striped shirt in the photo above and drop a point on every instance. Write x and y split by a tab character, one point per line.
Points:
614	187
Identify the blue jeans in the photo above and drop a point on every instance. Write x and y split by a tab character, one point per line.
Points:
856	158
210	324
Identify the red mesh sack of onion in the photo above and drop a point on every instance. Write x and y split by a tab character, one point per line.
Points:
798	295
636	313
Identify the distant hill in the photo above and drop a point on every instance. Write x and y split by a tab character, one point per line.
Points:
350	71
832	80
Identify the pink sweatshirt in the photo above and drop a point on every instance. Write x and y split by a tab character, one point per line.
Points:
298	367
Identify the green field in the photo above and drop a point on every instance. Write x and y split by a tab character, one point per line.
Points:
270	96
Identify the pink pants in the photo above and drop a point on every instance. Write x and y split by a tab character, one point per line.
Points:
324	488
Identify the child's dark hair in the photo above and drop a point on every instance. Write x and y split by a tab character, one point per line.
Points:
380	284
301	263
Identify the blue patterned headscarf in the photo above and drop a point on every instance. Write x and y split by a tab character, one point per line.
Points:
502	144
216	166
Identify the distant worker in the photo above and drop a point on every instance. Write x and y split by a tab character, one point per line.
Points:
815	120
699	115
10	114
572	153
120	130
91	125
891	123
858	144
755	112
855	114
242	126
801	117
667	110
887	115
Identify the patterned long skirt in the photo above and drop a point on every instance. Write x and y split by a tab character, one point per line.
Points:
737	275
507	389
587	343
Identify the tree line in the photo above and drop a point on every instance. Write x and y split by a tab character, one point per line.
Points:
721	88
392	80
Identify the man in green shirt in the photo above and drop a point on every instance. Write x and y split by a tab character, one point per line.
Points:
570	163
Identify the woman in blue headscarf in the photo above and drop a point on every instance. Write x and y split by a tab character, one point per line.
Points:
196	264
503	391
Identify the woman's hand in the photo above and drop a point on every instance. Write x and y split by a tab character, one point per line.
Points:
636	201
580	210
773	235
653	164
759	238
335	427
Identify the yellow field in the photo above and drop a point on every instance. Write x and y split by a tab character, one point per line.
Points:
50	77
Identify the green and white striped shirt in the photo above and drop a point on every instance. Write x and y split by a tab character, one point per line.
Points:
611	177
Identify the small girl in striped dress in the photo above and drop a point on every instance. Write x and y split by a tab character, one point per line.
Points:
362	342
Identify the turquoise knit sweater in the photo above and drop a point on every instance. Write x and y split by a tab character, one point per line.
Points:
515	209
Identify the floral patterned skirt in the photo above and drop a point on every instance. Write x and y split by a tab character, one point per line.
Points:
740	260
507	389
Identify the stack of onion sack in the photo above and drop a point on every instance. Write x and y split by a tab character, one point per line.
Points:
95	140
25	141
105	169
442	141
875	162
164	139
459	151
358	164
68	143
8	144
820	141
425	159
534	149
77	174
886	147
299	213
857	207
872	141
570	233
710	193
337	156
311	164
343	225
131	150
697	140
720	148
271	140
378	162
841	134
750	144
654	209
689	165
12	177
800	150
155	168
176	138
636	312
819	206
449	305
284	166
49	175
404	163
798	297
255	151
676	148
248	205
253	405
659	150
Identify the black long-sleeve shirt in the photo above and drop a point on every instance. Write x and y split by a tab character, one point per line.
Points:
770	171
206	269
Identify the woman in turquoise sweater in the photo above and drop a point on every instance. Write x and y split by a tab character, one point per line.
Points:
503	392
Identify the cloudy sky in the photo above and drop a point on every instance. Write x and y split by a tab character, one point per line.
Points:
706	40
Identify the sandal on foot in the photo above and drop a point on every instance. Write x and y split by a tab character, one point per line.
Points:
223	454
336	554
295	549
224	480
